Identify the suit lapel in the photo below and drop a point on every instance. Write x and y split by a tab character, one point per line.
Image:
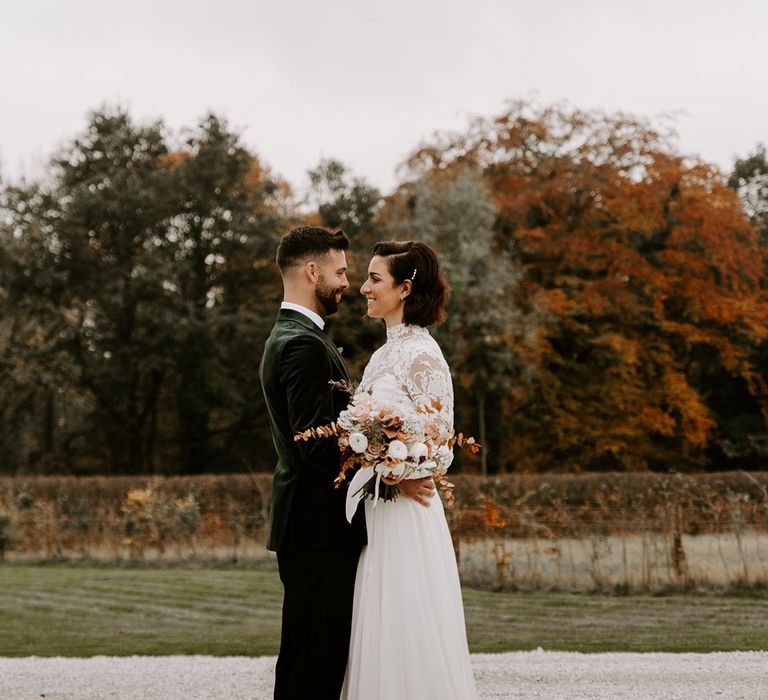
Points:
301	319
332	347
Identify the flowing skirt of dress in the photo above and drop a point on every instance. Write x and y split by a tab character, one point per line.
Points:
409	640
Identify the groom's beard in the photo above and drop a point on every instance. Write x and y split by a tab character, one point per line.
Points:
326	296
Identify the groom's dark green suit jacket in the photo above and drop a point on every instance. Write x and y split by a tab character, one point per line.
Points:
307	512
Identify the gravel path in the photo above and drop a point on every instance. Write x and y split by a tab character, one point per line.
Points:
536	674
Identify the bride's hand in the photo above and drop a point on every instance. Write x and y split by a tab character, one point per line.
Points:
419	490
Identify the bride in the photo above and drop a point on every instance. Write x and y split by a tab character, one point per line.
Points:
408	636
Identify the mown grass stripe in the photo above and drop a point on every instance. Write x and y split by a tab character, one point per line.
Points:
81	611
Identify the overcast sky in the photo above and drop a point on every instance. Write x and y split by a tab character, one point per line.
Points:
365	82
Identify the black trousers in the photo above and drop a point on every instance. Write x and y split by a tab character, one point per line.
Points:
317	623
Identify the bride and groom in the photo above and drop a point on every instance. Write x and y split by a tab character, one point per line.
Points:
372	609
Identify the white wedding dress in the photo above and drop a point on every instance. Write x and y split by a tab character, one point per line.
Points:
409	640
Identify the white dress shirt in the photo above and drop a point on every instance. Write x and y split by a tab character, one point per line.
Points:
311	315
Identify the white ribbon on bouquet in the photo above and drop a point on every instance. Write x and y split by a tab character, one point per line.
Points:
355	491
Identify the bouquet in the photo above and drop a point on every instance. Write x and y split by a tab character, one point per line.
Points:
388	442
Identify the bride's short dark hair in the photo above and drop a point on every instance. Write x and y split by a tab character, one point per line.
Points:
416	261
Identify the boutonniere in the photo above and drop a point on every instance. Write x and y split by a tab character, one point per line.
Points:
341	351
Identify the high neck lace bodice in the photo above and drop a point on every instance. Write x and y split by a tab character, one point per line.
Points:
410	369
402	331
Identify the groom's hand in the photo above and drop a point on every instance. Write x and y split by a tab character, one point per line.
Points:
419	490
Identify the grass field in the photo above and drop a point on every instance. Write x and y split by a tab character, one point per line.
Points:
85	610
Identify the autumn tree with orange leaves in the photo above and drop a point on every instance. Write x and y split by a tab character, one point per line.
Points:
609	308
648	282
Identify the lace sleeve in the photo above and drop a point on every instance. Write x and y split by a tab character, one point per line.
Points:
429	385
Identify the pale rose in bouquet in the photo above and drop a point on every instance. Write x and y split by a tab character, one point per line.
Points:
388	442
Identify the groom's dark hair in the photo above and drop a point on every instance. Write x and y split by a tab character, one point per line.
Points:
416	261
306	242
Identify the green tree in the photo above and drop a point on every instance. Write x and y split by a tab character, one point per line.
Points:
109	205
219	247
137	289
749	178
454	212
37	382
345	201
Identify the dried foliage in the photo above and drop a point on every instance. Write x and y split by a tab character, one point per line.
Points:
613	531
116	518
574	505
610	532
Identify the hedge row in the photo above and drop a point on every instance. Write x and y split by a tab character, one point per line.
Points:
59	516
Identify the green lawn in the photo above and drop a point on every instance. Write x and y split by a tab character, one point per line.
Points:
596	623
84	610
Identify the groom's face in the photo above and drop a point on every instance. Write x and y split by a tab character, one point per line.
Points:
331	280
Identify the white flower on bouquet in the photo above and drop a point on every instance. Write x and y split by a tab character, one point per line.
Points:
398	450
398	469
413	424
418	451
358	442
346	421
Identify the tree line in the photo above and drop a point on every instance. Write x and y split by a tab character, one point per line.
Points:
609	303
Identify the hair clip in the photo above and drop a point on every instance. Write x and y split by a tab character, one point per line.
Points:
413	276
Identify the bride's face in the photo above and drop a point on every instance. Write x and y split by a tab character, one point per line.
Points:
384	296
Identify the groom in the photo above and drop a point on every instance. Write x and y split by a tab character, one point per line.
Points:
317	549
